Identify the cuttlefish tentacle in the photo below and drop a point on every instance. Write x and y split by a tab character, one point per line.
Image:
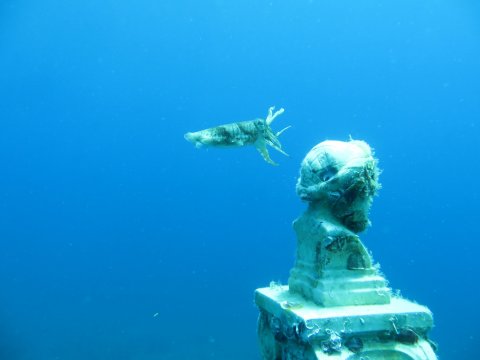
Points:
262	149
253	132
281	131
271	116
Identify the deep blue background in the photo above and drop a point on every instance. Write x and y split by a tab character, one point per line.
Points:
108	216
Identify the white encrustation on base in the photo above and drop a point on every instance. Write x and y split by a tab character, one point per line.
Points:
337	304
291	327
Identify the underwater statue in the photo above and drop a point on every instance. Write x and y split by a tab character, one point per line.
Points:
338	180
337	304
252	132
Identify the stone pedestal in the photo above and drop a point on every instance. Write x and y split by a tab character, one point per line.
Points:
291	328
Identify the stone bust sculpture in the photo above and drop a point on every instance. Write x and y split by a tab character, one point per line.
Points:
338	180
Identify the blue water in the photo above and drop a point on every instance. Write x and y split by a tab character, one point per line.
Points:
120	240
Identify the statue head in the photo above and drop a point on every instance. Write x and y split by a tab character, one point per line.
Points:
341	177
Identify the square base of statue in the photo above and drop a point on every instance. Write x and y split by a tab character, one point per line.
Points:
291	327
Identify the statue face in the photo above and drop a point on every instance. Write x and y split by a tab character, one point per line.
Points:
343	177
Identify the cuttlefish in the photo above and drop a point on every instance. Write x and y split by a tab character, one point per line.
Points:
252	132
